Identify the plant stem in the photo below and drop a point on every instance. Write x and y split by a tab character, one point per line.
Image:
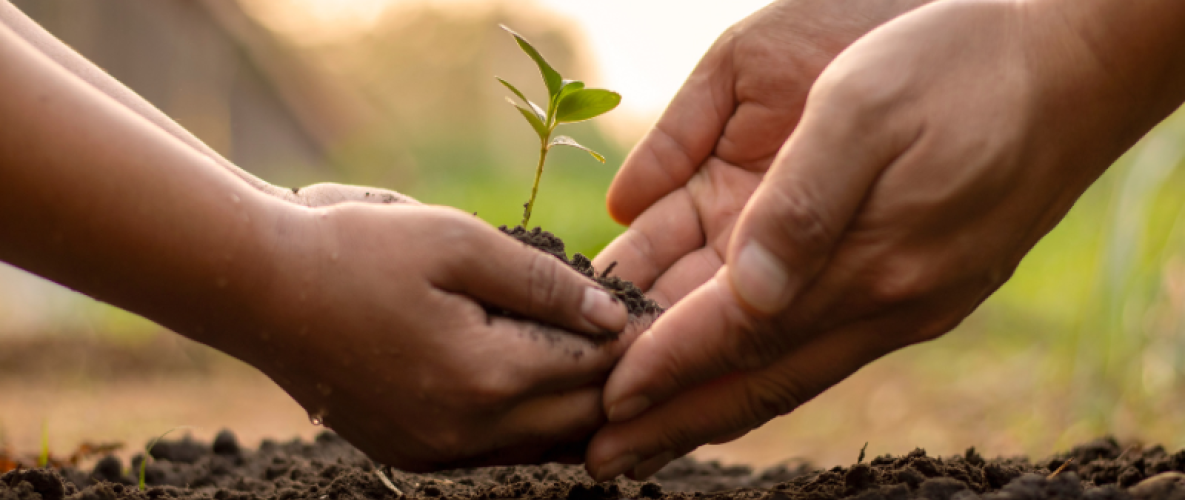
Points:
535	187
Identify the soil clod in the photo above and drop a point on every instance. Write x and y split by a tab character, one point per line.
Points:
636	301
329	468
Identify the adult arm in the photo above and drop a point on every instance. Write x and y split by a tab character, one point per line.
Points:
371	316
930	157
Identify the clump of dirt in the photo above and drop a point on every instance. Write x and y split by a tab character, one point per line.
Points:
638	304
329	468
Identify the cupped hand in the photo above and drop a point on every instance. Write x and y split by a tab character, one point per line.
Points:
377	324
931	156
684	185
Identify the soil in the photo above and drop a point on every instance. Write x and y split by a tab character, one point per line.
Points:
330	468
638	304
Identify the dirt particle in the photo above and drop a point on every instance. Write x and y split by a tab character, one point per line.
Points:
636	301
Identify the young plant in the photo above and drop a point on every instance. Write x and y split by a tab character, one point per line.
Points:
567	102
43	457
142	482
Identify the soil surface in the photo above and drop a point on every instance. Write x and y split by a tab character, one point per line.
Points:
330	468
638	304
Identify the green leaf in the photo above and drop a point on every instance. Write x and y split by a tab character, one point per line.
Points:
538	111
567	89
532	118
585	104
550	76
513	89
563	140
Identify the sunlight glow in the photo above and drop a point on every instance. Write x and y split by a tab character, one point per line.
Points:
643	48
646	48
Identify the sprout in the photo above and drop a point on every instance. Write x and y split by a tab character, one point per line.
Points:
567	102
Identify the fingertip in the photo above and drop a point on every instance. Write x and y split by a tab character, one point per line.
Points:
603	311
622	207
759	279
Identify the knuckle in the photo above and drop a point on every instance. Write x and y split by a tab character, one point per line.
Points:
543	283
642	245
766	398
860	90
756	346
678	437
800	220
900	280
460	241
489	391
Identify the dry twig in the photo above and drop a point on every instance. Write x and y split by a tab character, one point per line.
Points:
387	482
1060	469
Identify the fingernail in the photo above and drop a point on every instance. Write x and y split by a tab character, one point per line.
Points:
759	278
617	467
630	408
601	310
652	465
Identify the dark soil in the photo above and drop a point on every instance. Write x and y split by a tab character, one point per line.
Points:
330	468
638	304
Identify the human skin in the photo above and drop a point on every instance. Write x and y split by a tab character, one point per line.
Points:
369	315
929	157
322	194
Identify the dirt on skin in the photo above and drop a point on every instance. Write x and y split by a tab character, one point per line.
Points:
638	304
329	468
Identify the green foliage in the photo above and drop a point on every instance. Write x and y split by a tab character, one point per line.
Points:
567	102
43	457
585	104
563	140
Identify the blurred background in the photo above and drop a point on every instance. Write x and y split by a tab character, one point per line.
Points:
1086	339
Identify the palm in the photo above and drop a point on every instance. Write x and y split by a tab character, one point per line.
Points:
684	185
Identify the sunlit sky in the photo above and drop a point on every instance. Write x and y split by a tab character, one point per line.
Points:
644	48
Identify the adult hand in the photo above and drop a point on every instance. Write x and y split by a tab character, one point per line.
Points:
683	186
931	156
376	325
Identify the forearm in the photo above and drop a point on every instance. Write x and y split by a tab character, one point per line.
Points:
1138	49
97	198
85	70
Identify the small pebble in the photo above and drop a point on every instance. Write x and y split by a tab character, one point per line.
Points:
225	443
108	469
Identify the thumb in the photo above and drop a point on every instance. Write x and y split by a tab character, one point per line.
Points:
789	228
784	237
526	281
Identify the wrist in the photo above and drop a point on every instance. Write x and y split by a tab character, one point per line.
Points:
277	263
1138	49
231	291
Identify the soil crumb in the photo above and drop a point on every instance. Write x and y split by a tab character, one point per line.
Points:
638	304
329	468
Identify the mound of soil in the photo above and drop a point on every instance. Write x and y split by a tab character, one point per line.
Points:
329	468
638	304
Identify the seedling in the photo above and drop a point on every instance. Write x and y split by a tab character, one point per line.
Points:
43	457
148	455
567	102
